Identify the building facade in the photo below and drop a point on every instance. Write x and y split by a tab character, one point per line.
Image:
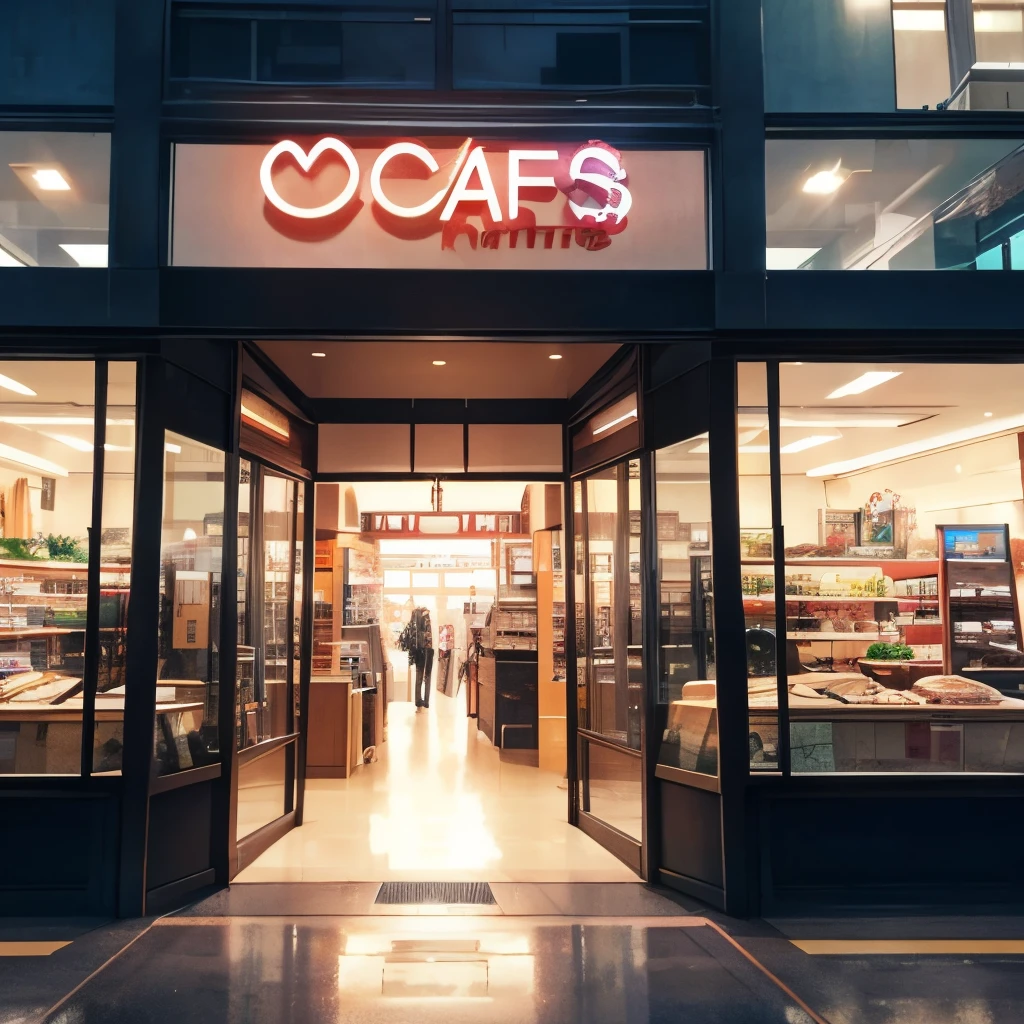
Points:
783	464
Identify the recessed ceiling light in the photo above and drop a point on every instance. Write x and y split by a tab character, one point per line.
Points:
10	384
988	414
808	442
9	454
319	355
824	183
49	179
440	362
174	449
865	382
93	255
554	355
78	443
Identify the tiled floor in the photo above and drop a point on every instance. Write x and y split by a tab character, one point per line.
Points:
439	804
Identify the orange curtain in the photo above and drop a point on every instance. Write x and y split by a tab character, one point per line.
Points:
19	514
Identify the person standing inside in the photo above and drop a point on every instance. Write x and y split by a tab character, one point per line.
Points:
418	639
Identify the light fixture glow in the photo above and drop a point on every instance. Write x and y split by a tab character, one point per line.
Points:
440	362
264	417
49	179
319	355
7	260
86	255
824	183
865	382
554	355
631	415
9	454
927	444
880	422
808	442
59	421
919	21
189	534
988	415
78	443
787	257
10	384
174	449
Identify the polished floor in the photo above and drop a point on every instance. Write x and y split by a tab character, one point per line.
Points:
440	803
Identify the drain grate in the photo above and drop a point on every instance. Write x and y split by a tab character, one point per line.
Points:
435	892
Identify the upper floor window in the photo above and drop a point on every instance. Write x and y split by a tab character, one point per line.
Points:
533	45
883	55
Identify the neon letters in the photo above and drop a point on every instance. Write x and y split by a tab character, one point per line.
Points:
594	182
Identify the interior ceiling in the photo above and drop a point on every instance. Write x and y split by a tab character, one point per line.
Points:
458	496
404	369
931	400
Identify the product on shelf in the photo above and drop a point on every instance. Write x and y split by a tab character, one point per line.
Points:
955	690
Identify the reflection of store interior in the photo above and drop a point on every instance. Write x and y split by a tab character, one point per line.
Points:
904	538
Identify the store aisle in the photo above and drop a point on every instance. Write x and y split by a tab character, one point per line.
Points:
439	804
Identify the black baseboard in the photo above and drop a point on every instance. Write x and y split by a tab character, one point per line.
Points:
713	895
173	895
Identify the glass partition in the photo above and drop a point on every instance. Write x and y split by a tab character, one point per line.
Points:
892	204
54	199
188	678
686	637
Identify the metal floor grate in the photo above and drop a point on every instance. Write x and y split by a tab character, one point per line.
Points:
436	892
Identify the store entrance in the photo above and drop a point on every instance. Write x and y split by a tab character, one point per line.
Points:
436	743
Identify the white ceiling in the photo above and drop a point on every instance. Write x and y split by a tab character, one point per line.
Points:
390	369
936	399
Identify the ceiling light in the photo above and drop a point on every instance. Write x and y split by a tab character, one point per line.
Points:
808	442
118	448
86	255
880	422
49	179
59	421
265	417
16	455
554	355
631	415
10	384
440	362
927	444
865	382
787	258
988	414
998	21
824	183
919	21
7	260
319	355
78	443
174	449
189	534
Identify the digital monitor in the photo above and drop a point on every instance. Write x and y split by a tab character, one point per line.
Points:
977	543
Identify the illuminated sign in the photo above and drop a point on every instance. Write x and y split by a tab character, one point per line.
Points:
592	180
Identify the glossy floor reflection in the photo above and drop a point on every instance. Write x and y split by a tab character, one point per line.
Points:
393	971
439	804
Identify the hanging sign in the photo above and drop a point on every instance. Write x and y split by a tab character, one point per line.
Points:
441	204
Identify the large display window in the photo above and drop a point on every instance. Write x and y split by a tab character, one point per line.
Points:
890	612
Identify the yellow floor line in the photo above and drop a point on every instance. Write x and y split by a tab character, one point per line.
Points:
924	947
31	948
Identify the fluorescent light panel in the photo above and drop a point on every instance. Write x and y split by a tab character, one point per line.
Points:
27	459
919	21
808	442
78	443
174	449
911	448
86	255
865	382
7	260
787	258
631	415
49	179
10	384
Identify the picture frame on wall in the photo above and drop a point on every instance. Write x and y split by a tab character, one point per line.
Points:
755	543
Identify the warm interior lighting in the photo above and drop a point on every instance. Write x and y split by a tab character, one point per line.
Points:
988	414
754	449
86	255
319	355
851	420
808	442
189	534
440	362
824	183
999	21
554	355
30	461
926	444
904	20
865	382
264	417
788	258
59	421
631	415
7	260
49	179
174	449
10	384
78	443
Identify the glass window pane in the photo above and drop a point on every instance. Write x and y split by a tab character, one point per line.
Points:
54	199
610	787
991	260
922	54
889	204
300	499
218	49
115	558
46	456
999	31
757	571
188	683
580	595
686	638
828	56
896	478
278	560
261	790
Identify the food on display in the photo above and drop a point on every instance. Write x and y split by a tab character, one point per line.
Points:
955	690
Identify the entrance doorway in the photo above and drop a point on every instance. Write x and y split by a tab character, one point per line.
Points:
457	586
